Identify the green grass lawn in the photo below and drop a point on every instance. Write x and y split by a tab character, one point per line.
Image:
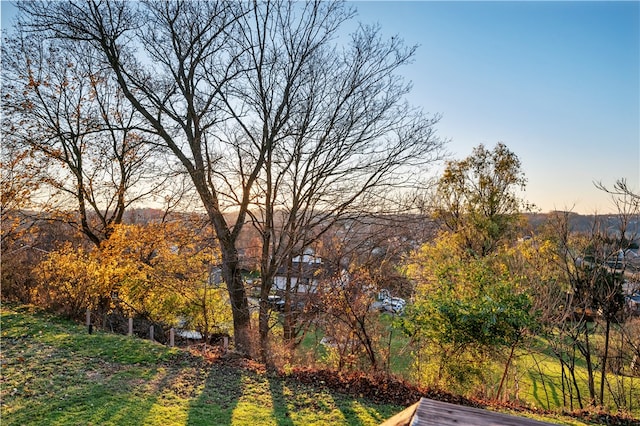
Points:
541	383
54	373
397	351
538	374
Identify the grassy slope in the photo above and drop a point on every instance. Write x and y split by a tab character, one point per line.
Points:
538	374
541	384
54	373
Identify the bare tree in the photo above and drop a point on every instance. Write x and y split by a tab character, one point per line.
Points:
623	195
337	131
262	109
78	131
18	181
594	268
354	330
172	60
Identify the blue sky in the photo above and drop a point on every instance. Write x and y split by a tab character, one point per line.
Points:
557	82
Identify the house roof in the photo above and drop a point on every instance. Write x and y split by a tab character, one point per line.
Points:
301	270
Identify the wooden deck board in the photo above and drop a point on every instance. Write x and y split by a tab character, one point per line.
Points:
427	412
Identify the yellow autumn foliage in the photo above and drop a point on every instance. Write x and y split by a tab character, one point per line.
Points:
158	270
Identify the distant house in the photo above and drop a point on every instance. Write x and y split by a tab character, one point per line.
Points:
633	303
624	260
305	273
632	260
630	287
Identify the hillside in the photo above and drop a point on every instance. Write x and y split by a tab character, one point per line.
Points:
585	223
53	372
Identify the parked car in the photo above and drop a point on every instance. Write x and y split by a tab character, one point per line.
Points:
276	303
394	305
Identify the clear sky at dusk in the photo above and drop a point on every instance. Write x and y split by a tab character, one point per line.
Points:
557	82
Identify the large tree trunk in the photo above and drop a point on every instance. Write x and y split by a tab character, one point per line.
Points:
231	271
263	318
238	298
289	319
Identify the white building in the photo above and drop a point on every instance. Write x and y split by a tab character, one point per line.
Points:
304	274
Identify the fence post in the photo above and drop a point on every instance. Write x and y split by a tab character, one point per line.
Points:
130	327
225	343
89	326
172	334
151	334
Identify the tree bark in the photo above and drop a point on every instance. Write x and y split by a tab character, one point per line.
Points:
603	372
506	370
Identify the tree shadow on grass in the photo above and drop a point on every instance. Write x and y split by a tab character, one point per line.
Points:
75	392
55	373
54	381
280	407
218	399
544	391
356	413
75	408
